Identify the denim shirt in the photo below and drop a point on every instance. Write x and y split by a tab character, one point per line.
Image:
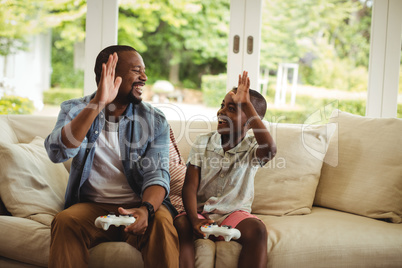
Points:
144	146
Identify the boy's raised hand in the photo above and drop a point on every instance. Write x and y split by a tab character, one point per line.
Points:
242	94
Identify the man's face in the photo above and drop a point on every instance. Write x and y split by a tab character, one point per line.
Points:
131	68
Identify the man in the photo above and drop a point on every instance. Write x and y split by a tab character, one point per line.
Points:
120	151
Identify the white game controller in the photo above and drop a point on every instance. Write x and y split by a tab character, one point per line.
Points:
111	219
226	231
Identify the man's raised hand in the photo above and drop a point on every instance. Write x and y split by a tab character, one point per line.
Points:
108	86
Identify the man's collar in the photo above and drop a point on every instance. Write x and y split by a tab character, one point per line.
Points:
128	113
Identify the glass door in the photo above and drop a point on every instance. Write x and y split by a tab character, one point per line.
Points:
314	58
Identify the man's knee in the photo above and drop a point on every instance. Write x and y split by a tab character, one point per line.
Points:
163	214
66	221
62	219
162	226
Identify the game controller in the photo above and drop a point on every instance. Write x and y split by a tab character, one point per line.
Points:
225	230
111	219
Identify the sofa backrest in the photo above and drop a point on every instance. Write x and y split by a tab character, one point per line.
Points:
24	128
187	131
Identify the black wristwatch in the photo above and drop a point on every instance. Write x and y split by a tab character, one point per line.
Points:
150	208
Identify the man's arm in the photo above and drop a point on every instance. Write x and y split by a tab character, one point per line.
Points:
154	195
70	131
156	183
75	131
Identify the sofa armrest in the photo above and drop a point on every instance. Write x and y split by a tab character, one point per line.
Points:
3	209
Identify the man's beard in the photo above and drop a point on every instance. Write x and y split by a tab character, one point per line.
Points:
134	100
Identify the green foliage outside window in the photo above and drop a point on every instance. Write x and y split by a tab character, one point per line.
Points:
16	105
213	89
56	96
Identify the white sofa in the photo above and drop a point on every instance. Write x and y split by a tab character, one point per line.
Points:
326	202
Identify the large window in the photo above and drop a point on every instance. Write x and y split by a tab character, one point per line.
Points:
314	55
38	42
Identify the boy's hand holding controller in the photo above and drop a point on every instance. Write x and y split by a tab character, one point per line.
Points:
197	226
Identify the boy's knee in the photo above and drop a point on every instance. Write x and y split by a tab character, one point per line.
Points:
180	222
255	231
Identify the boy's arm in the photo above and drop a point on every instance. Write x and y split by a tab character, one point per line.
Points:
267	147
189	195
189	192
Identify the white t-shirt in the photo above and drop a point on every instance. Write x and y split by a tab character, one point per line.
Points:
107	182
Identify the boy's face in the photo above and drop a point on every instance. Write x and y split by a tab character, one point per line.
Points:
131	68
231	118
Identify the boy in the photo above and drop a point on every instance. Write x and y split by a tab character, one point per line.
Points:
219	183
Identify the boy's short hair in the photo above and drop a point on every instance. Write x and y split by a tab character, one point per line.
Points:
258	101
103	56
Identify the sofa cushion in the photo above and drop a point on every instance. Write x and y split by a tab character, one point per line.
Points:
24	240
104	255
30	184
227	254
330	238
177	171
368	178
286	185
205	251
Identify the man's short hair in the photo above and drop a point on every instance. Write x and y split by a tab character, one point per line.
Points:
258	101
103	56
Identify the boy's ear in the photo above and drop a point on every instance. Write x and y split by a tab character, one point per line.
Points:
247	125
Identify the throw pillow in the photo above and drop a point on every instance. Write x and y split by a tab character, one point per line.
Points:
177	171
368	178
31	186
286	185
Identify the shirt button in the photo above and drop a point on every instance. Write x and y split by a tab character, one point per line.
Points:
96	132
222	175
219	194
101	116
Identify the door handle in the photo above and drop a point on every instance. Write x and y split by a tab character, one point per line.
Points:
236	44
250	44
